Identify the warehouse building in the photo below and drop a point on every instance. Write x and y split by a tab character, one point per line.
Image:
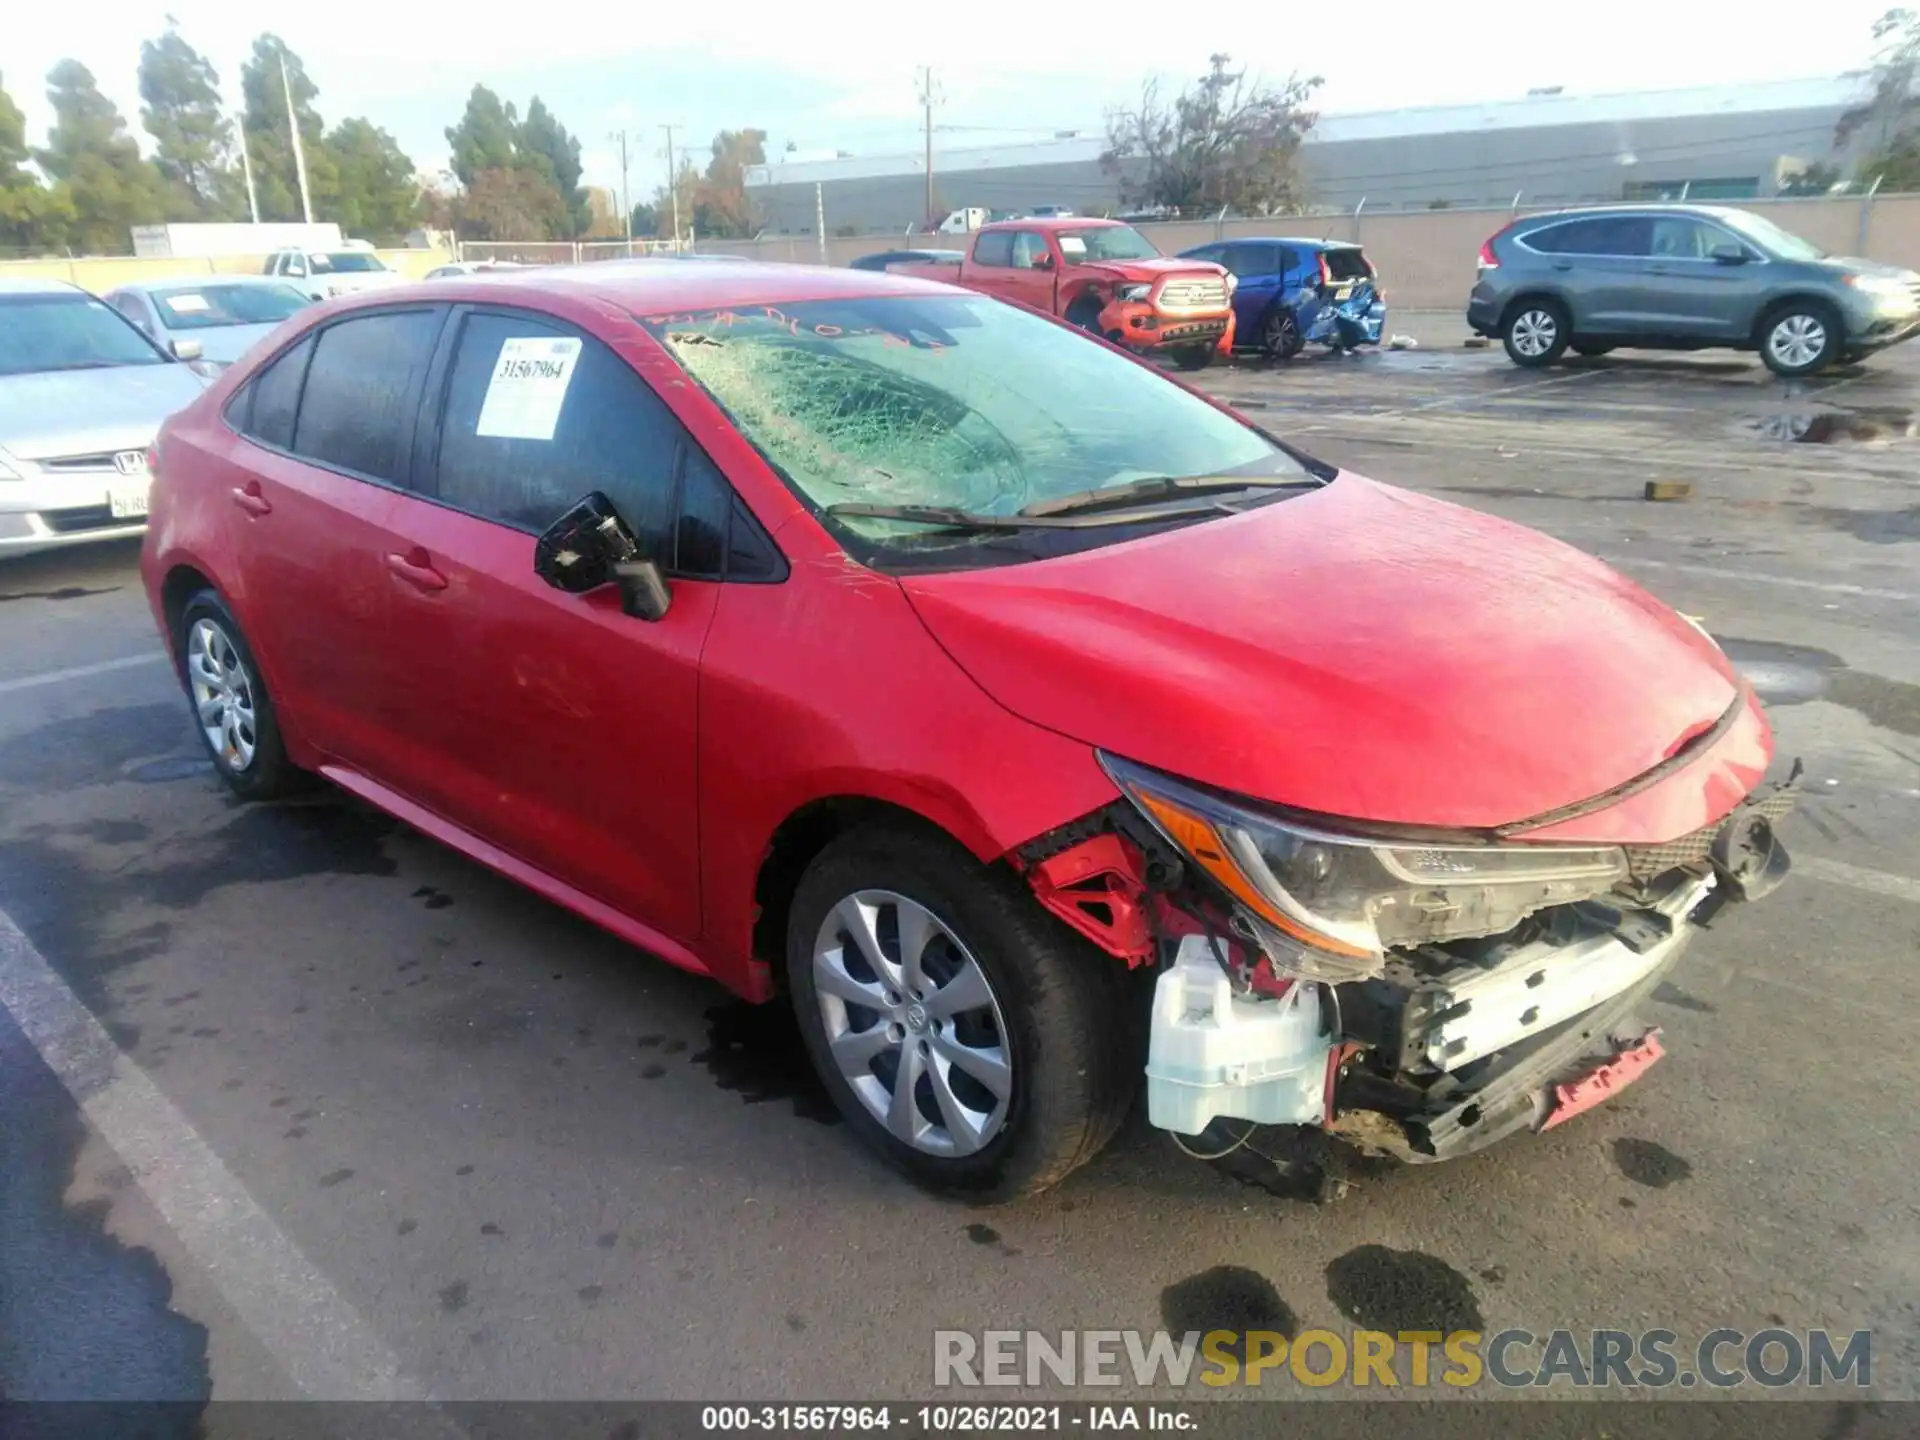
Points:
1710	143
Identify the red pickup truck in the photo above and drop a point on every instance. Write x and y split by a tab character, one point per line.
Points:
1105	277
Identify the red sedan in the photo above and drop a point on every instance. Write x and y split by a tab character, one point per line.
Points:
1027	722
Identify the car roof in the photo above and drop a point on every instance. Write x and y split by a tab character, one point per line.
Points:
1644	207
646	287
35	285
1299	242
167	283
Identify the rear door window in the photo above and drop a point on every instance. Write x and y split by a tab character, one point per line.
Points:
994	248
362	393
1612	235
272	398
1248	262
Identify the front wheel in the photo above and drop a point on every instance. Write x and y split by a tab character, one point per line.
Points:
1195	357
965	1034
1535	333
1799	339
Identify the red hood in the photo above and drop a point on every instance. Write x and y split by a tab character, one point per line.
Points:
1366	652
1151	269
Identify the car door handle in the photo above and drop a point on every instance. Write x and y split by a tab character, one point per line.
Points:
417	570
1563	264
248	498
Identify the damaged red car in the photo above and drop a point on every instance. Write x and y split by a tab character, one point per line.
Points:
1032	726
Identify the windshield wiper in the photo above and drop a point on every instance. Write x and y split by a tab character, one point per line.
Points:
1156	486
953	518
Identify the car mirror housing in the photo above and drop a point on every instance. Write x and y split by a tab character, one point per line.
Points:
590	546
186	350
1729	254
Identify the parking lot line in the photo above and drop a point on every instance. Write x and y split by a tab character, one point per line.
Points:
319	1341
1856	877
1832	587
81	672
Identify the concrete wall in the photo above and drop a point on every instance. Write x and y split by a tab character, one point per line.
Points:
1426	257
102	274
1553	164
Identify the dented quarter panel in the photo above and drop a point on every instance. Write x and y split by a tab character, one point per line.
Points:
1366	652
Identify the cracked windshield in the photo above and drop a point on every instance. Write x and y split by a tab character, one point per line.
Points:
952	402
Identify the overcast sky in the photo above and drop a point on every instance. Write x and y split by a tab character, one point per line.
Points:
829	74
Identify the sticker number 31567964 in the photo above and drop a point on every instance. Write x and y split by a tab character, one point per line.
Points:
528	387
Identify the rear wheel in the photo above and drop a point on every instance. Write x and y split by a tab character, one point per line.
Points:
1535	333
1194	357
231	708
1799	338
965	1034
1280	336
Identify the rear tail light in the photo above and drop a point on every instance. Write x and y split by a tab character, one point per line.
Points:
1488	260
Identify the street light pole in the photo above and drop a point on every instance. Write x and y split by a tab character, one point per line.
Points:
673	186
626	201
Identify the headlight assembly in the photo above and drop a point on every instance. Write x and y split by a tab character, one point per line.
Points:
1326	905
1139	291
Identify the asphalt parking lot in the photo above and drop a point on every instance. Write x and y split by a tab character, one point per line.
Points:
367	1121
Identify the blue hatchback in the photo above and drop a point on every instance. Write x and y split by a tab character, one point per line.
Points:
1291	293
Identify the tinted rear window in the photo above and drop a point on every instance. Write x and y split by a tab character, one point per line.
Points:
362	391
1600	235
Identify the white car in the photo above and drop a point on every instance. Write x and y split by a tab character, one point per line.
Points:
322	274
471	267
222	314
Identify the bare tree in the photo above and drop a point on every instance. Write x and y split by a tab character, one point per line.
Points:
1228	139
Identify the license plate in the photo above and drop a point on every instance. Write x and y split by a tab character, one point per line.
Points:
1345	292
128	502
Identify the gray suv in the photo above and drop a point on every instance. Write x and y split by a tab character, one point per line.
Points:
1684	277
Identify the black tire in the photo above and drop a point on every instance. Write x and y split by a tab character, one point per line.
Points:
1536	332
1591	349
1194	357
1785	331
1280	337
1073	1016
264	773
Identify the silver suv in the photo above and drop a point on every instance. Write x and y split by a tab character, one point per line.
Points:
1684	277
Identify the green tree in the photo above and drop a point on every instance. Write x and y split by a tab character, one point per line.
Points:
513	202
32	216
487	137
720	205
193	141
543	136
376	197
1225	140
91	154
269	138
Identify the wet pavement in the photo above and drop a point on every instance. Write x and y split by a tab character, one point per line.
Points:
514	1158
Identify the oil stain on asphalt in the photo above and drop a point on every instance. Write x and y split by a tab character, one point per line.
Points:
1795	674
1649	1164
1227	1297
1383	1289
756	1052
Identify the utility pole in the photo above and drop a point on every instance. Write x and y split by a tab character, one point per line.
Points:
820	217
299	151
246	169
626	204
926	102
673	186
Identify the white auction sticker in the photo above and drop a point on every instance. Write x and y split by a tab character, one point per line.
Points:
528	388
187	304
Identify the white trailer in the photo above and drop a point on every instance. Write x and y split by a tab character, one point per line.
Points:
153	242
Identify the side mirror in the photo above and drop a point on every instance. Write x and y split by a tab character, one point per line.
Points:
1729	254
591	546
187	350
1043	261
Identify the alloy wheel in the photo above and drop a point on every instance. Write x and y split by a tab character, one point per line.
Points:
1797	340
223	693
1534	333
1279	339
912	1023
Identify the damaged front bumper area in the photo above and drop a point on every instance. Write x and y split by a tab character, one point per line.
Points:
1483	988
